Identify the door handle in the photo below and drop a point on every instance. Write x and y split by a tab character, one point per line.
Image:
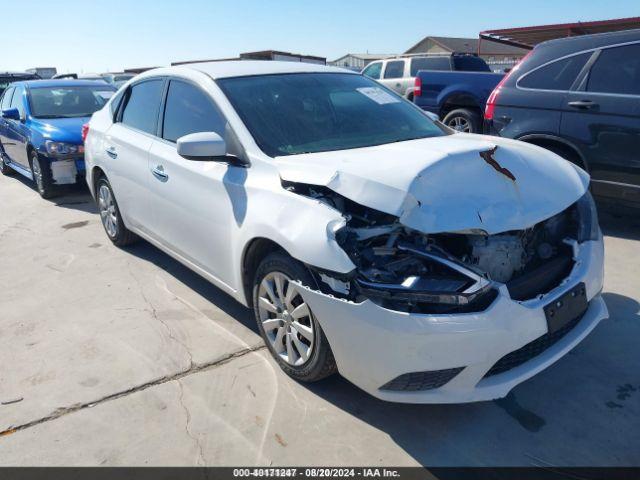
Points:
160	174
583	104
111	151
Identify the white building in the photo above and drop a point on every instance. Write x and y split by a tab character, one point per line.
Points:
357	61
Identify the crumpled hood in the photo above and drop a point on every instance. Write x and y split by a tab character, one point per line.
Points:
443	184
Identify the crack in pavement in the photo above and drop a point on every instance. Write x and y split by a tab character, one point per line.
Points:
60	412
202	460
154	314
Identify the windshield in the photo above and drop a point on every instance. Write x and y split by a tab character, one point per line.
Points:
290	114
67	102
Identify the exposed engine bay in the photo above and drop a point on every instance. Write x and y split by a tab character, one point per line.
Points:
407	270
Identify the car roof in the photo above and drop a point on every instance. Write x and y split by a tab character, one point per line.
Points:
568	45
558	48
63	83
243	68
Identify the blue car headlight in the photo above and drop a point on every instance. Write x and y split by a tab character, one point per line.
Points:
588	217
62	149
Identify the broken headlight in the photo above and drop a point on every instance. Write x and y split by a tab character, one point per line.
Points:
588	217
442	280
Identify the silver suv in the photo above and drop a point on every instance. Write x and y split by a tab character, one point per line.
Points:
399	73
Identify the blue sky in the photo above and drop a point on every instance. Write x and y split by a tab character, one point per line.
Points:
97	35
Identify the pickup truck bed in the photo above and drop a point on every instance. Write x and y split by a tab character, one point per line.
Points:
458	98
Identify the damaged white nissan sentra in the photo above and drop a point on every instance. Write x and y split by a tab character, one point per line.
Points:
423	265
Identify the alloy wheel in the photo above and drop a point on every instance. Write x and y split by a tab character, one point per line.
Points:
286	319
460	124
107	208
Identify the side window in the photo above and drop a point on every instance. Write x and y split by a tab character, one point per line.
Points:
189	110
617	70
18	100
394	69
373	70
558	75
143	102
6	99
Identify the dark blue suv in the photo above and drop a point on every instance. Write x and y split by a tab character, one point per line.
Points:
579	97
41	129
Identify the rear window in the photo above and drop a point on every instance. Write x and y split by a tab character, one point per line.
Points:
430	63
470	64
617	70
394	69
558	75
143	103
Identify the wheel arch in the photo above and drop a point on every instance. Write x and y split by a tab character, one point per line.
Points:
555	144
254	252
457	100
95	174
30	149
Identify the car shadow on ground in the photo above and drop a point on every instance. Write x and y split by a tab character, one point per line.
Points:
621	222
75	197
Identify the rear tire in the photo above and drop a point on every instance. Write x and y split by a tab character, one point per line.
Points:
287	326
41	171
110	216
464	120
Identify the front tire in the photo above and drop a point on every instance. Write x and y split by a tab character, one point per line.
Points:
41	171
110	216
463	120
4	168
287	325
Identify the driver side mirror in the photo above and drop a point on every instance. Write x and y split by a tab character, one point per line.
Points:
11	114
206	146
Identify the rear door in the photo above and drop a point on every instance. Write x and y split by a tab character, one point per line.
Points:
127	144
603	118
192	200
393	76
17	131
533	106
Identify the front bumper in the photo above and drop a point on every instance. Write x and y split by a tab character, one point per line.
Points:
373	345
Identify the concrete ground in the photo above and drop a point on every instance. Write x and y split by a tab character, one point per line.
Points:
124	357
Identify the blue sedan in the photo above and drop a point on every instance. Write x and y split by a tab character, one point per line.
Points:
41	129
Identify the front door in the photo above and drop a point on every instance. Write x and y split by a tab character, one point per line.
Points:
17	133
5	104
193	201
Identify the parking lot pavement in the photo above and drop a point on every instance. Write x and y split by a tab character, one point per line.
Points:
124	357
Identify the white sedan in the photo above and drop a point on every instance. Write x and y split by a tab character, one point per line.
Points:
423	265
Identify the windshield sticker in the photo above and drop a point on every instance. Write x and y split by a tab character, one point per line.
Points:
378	95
